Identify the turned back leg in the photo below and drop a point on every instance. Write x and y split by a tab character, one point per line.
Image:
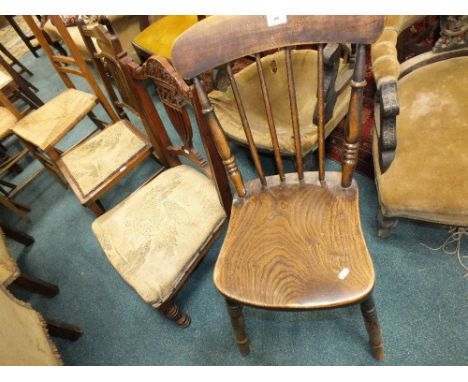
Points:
173	313
238	324
369	312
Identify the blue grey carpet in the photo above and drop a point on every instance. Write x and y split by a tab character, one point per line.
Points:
421	296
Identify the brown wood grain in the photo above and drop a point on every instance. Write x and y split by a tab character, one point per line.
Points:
288	244
225	38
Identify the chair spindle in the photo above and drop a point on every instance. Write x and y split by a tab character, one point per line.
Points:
246	126
269	113
321	113
221	142
354	120
294	113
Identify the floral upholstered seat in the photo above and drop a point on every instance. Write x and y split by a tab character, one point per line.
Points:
153	237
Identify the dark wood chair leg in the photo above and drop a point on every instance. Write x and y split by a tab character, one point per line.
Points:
173	313
17	235
96	207
238	324
386	225
63	330
36	285
369	312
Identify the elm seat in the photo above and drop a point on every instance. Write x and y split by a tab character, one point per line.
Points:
295	246
24	338
152	238
428	178
160	35
7	121
95	160
305	69
45	126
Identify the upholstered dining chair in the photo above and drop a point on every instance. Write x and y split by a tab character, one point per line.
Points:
294	240
157	235
419	148
98	162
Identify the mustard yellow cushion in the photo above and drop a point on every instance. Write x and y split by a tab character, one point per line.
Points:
97	158
24	340
9	270
45	126
305	77
7	121
153	237
160	36
428	179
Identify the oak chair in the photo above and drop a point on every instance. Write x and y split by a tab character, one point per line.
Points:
98	162
157	235
294	240
419	150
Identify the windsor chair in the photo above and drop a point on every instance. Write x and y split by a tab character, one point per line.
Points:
294	240
421	114
157	235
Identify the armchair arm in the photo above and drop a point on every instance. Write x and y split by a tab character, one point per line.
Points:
386	70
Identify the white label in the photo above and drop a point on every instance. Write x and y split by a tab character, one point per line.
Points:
123	168
343	274
276	20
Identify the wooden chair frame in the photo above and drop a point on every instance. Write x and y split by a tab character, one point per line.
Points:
232	37
177	97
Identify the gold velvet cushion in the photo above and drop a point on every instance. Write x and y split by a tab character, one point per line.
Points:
96	159
9	270
160	36
385	65
428	179
154	236
7	121
305	78
45	126
24	340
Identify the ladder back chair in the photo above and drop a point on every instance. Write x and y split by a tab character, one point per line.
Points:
157	235
294	240
42	129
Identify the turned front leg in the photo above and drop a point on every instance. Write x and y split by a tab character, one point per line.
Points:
238	324
172	312
369	312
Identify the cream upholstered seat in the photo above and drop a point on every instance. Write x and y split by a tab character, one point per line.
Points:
152	238
9	270
45	126
5	79
7	121
428	178
95	160
305	69
24	338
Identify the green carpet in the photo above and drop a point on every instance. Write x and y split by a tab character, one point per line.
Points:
421	296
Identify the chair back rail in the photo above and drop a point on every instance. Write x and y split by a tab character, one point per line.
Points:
62	63
254	37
